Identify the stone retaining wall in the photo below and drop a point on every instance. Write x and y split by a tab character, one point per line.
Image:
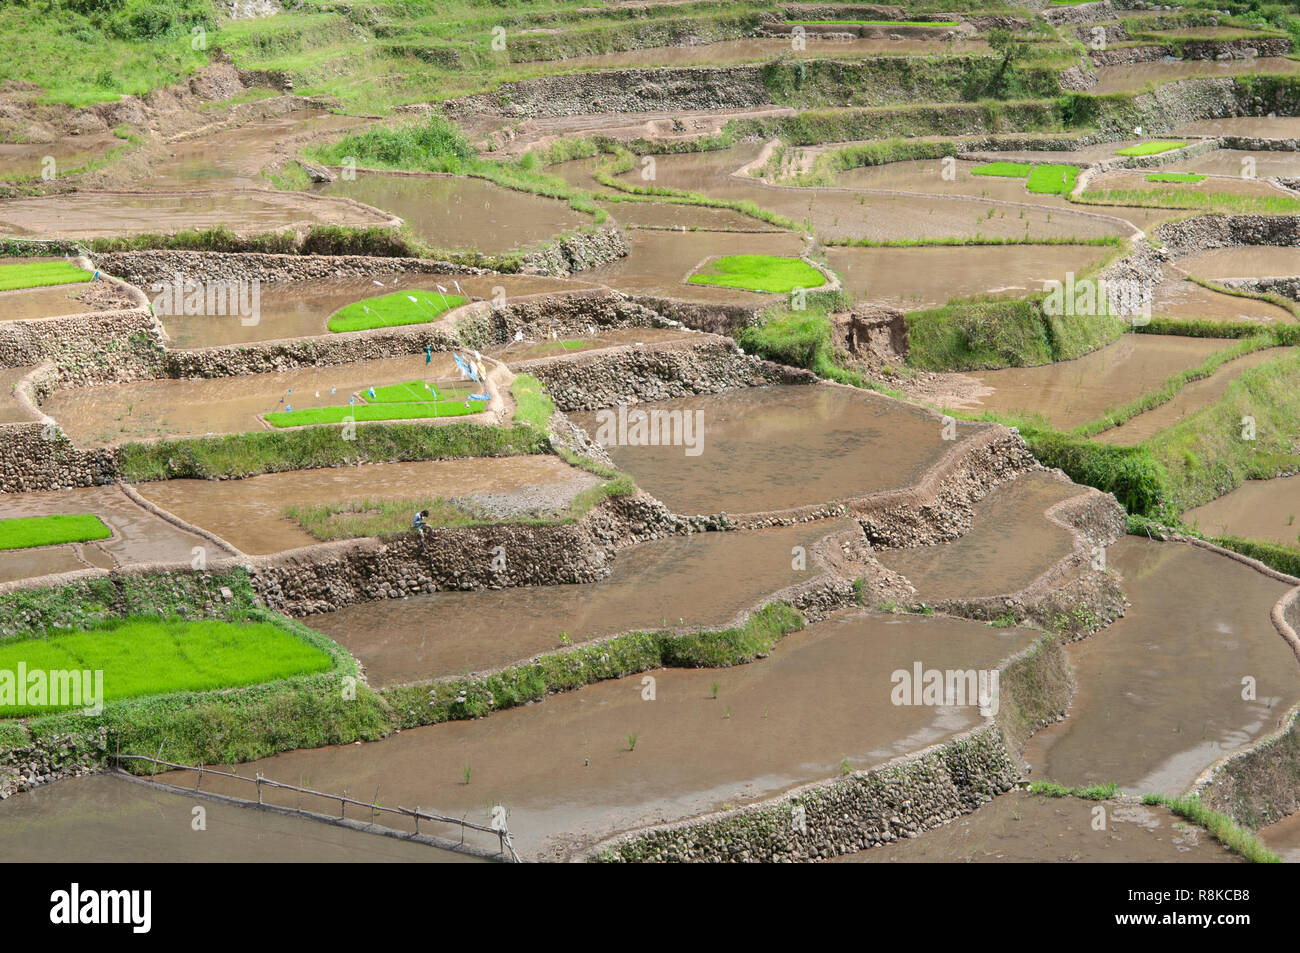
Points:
89	347
37	456
483	325
332	575
726	319
622	91
144	268
629	374
1203	49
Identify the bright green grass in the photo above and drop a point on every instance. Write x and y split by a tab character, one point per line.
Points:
41	274
1010	170
1175	177
25	532
393	310
767	273
148	656
417	392
532	404
1150	148
1052	179
363	412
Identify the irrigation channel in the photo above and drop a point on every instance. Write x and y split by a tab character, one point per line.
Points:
617	448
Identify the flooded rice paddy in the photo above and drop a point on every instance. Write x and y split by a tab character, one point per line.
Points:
249	513
48	302
911	278
566	772
461	213
1160	694
1192	397
1134	77
452	633
1258	509
1255	261
302	308
1023	828
108	214
138	535
1009	544
107	819
1071	393
116	413
772	448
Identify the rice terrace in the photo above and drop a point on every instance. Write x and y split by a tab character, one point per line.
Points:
633	431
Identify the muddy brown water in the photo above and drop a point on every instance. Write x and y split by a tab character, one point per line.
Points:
1255	261
1232	162
1160	690
455	213
100	416
1070	393
1023	828
1133	77
1258	509
10	410
138	535
758	49
106	819
927	175
660	261
1179	299
20	160
1271	127
1009	544
768	448
235	157
925	277
1128	180
248	513
1192	397
109	214
844	213
693	577
47	302
302	308
1283	838
566	770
